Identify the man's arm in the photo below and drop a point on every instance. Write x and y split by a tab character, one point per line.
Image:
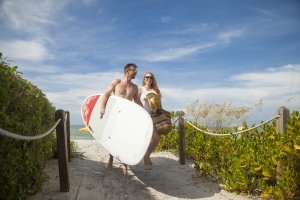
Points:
137	97
109	90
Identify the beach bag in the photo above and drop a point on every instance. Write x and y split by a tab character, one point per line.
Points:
161	118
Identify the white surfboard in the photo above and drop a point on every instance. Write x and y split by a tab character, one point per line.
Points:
125	130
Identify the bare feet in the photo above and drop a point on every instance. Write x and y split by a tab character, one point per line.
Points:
125	172
147	167
147	163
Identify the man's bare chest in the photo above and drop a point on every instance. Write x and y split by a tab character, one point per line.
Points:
125	90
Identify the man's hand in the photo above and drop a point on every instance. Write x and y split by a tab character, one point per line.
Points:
102	112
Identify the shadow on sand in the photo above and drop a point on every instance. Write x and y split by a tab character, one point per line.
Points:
89	179
170	178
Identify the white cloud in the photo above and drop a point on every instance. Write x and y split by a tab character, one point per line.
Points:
166	19
100	10
82	82
265	12
228	35
89	2
285	68
275	88
28	15
181	48
194	29
28	67
33	50
175	53
281	77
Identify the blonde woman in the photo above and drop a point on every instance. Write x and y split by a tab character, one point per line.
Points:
149	85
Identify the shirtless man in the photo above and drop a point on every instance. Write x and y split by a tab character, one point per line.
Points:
126	89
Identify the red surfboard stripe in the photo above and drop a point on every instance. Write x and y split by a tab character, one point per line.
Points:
87	108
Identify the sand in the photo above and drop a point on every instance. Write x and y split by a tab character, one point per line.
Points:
89	179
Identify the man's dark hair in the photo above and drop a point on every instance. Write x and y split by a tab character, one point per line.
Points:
128	66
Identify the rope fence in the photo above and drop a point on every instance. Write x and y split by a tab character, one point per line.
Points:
62	125
236	133
282	116
22	137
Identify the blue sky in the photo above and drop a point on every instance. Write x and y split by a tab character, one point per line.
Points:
215	51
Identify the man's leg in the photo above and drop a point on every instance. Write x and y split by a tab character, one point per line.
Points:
155	140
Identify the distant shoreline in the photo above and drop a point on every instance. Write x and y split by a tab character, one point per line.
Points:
76	134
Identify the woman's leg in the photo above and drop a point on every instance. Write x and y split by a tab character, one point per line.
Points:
154	142
152	146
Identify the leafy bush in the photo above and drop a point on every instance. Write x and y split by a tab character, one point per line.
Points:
24	110
261	159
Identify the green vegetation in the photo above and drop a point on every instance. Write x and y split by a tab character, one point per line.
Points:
24	110
261	159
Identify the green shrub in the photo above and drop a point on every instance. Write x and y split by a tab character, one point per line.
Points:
259	159
281	171
169	142
24	110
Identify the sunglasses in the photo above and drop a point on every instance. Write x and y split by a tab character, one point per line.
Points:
134	70
147	77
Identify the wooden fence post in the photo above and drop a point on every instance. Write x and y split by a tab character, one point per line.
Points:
68	135
62	151
282	120
281	123
181	138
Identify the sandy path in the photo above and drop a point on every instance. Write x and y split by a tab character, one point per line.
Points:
90	180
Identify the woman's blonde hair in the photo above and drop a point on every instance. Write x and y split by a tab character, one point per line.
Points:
153	84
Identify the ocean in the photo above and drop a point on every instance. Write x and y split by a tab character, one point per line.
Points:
79	135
